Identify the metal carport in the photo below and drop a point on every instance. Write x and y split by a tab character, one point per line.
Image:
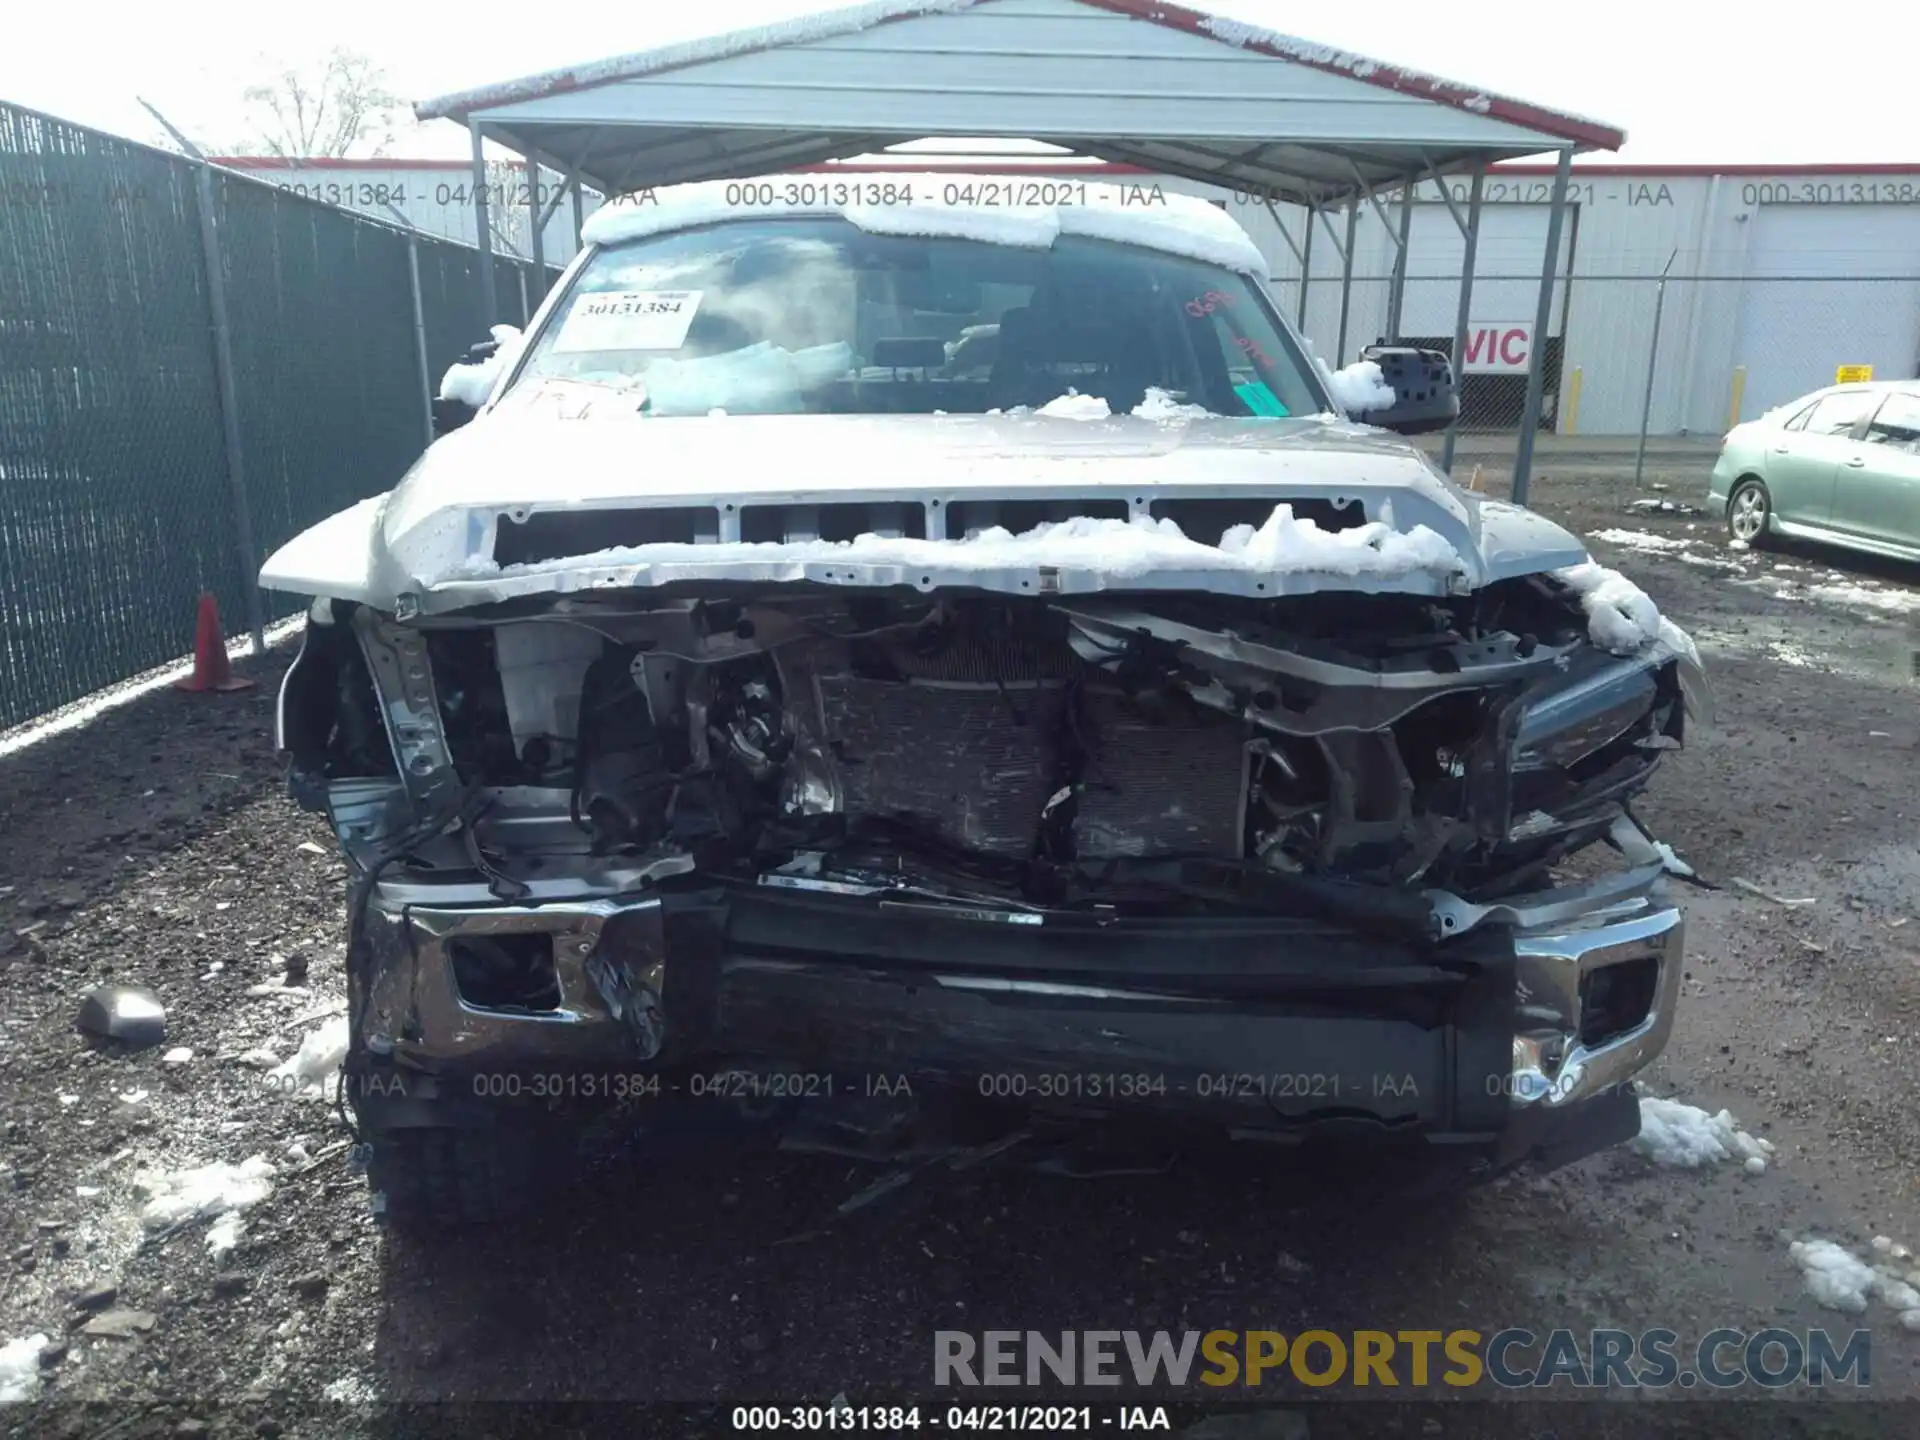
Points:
1135	82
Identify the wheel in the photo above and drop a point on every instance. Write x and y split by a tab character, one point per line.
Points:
444	1178
1748	509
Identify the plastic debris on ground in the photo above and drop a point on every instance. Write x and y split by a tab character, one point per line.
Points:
130	1014
20	1369
218	1191
312	1067
1840	1280
1685	1137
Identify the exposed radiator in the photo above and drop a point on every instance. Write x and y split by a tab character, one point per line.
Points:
1158	782
972	761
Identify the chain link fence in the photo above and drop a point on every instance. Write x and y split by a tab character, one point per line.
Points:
118	494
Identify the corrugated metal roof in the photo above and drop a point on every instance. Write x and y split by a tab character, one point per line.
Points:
1134	82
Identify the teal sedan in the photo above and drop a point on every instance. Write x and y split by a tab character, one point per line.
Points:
1841	465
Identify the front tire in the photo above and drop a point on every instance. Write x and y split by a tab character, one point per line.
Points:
1749	513
449	1178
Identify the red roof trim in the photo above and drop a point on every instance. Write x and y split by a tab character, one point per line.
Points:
1585	132
1822	168
1588	133
331	162
1050	165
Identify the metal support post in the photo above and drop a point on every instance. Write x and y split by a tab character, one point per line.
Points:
1543	316
483	227
1306	274
420	337
538	245
1397	300
1470	233
1346	281
1653	355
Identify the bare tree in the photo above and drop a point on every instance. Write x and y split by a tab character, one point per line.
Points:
335	108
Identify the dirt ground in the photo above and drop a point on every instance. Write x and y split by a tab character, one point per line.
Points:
156	845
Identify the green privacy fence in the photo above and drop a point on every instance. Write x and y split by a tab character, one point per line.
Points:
118	494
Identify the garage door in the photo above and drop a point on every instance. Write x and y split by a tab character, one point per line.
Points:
1816	297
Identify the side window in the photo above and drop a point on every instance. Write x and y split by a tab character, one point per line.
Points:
1837	414
1799	422
1897	422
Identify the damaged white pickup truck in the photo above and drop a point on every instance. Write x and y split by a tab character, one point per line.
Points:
975	649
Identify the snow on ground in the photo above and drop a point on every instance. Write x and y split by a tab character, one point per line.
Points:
1897	602
307	1074
1841	1280
218	1191
1183	225
20	1369
1838	589
473	384
1644	540
1358	387
1113	549
1685	1137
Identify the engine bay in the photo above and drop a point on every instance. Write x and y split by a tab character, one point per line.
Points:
1165	750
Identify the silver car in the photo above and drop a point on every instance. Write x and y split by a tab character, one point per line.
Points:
1841	465
940	656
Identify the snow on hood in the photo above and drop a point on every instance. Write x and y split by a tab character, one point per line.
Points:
1183	225
415	545
1113	550
1621	619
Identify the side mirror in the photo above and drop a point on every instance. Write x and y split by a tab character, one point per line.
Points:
450	413
1425	396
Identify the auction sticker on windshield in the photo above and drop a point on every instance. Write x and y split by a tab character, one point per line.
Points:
629	320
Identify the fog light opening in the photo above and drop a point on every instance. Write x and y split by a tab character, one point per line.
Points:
1616	999
506	972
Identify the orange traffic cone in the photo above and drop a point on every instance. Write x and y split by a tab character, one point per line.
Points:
210	668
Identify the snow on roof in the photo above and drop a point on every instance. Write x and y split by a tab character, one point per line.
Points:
1398	77
822	25
828	24
1176	224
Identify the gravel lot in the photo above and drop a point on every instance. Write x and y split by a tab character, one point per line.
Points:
156	845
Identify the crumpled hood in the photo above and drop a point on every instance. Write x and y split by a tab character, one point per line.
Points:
429	545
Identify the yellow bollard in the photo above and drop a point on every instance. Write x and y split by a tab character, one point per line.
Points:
1570	425
1739	393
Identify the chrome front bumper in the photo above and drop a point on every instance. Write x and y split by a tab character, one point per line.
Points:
414	1010
1551	1067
